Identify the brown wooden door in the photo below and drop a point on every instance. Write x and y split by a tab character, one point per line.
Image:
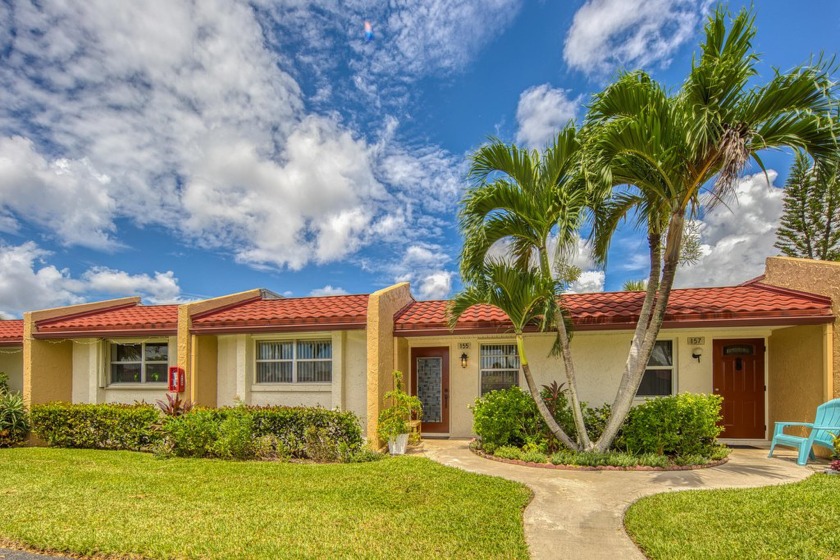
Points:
738	376
430	382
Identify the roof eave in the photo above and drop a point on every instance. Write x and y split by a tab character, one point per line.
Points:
299	327
98	333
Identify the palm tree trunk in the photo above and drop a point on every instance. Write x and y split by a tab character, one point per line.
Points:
647	329
571	378
553	426
568	363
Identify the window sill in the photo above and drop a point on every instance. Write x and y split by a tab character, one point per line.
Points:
291	388
137	387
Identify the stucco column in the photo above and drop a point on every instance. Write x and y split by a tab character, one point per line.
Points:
382	306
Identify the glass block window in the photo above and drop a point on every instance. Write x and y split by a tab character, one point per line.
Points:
294	361
658	380
145	362
498	366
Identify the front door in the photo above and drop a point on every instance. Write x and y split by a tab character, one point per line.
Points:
738	376
430	382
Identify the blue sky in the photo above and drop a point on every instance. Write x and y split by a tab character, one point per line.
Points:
179	151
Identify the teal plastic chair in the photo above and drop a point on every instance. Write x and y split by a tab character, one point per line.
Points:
825	426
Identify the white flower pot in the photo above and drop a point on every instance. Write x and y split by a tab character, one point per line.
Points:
397	445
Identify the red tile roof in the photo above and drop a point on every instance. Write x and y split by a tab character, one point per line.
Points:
287	314
750	305
11	332
117	321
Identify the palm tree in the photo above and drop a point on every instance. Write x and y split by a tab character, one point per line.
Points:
655	154
634	285
528	297
529	201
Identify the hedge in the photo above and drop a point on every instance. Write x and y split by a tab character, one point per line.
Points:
133	427
230	432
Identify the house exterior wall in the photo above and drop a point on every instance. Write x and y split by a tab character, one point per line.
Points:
382	307
11	363
816	277
599	358
236	373
90	374
796	375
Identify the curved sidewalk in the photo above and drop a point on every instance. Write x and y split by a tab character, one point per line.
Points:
579	514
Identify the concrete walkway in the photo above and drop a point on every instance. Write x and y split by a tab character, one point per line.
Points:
579	514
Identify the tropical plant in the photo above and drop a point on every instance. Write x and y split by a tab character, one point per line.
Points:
14	419
528	297
634	285
394	420
657	156
534	204
174	406
810	225
4	382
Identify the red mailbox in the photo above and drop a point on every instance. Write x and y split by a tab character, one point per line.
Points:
177	381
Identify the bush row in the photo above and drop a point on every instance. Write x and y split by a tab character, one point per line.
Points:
679	426
241	432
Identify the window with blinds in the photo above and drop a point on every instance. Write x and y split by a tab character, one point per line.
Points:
294	361
498	366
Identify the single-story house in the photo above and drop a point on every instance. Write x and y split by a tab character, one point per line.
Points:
768	347
11	352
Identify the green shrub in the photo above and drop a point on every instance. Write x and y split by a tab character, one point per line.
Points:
236	439
289	425
534	457
320	446
837	446
97	426
507	417
363	455
193	434
508	452
610	459
14	419
680	425
4	382
394	419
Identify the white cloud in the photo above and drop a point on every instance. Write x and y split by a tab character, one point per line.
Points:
541	113
160	288
630	33
328	290
28	282
737	239
424	266
68	197
588	282
186	116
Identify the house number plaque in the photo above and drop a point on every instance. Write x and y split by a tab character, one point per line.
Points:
696	340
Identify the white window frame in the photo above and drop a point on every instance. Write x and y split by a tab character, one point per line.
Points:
143	381
481	371
294	361
672	368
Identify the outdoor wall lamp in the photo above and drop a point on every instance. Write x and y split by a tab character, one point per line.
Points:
464	359
696	353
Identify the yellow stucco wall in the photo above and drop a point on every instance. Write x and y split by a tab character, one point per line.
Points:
11	363
599	359
382	307
205	362
816	277
795	381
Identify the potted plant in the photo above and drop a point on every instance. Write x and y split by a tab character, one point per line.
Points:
394	420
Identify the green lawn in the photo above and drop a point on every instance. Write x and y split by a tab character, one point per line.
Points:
114	502
792	521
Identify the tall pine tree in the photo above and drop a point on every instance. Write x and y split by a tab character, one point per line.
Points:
810	225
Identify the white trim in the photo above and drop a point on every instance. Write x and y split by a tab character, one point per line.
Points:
674	367
108	362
